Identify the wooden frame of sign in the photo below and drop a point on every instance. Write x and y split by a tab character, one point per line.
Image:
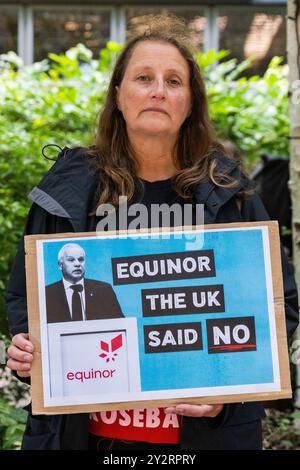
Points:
35	334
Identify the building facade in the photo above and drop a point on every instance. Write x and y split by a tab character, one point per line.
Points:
251	28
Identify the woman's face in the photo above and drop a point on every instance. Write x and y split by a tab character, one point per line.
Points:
157	76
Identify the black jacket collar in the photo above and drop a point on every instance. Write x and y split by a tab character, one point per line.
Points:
67	188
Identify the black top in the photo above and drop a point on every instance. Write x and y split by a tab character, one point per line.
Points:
143	211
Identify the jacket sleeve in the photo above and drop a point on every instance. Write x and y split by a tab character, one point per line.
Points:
38	222
254	210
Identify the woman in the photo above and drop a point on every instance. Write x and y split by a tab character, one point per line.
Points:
155	144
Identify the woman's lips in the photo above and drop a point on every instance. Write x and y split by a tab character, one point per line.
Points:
156	110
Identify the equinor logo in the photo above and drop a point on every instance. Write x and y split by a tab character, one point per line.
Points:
108	353
109	348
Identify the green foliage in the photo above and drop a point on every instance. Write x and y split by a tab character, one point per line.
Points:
108	56
12	425
281	430
57	101
53	101
252	112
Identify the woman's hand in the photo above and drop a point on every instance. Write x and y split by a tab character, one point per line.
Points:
196	411
20	355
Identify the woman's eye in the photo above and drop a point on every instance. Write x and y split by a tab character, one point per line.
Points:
174	82
145	78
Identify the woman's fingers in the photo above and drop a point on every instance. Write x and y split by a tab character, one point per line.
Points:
20	355
23	374
22	342
23	369
196	411
18	365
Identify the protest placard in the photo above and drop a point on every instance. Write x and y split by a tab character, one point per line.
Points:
156	318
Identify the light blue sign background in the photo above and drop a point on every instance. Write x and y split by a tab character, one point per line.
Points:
239	263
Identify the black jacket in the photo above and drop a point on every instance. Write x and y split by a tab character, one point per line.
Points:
100	302
62	204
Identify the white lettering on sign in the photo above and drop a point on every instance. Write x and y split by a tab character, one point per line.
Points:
206	298
245	334
163	266
169	301
122	270
154	337
224	336
177	300
168	339
188	336
231	335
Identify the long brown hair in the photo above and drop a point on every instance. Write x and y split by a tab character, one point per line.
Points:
196	143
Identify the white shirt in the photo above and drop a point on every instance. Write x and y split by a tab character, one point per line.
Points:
69	294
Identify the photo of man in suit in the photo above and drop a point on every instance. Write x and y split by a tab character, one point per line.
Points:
75	298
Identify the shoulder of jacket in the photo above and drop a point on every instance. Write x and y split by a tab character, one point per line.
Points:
233	168
72	158
225	164
75	165
68	185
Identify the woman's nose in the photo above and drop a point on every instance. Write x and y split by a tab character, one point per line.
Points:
158	89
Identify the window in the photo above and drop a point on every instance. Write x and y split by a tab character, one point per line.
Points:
56	30
8	29
195	18
253	32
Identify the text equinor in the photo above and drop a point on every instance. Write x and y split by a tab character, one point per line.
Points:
163	267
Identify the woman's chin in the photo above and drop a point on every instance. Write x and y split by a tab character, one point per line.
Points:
156	130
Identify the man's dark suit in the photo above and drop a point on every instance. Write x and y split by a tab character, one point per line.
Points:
100	302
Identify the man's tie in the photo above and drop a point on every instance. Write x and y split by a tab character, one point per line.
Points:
76	302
